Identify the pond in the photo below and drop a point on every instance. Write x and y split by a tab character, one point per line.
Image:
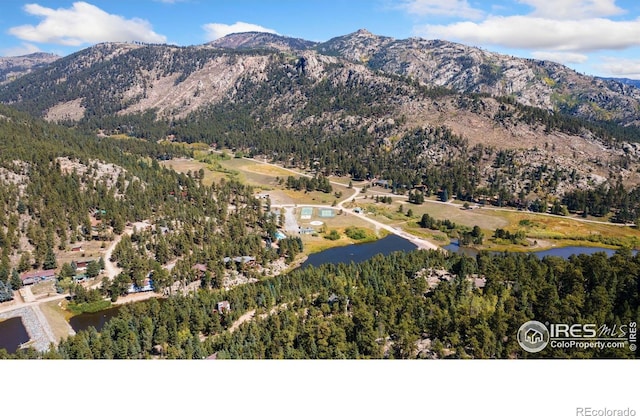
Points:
359	252
97	319
12	334
564	252
94	319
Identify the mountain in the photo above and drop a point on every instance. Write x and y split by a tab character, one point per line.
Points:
252	40
626	81
12	68
178	74
412	110
542	84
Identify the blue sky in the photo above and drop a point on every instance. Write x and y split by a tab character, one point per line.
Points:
596	37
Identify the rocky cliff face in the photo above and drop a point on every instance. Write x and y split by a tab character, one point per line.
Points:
463	68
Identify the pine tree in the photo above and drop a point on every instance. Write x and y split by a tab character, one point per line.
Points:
16	282
50	259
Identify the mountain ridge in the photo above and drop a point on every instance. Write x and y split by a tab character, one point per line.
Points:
431	63
13	67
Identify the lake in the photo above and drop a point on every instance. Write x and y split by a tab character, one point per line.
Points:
564	252
359	252
13	333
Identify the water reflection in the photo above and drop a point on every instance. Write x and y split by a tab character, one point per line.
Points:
12	334
359	252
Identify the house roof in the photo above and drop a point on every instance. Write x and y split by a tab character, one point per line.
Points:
240	259
39	273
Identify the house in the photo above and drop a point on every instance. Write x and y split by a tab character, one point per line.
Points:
381	182
240	259
479	282
37	276
77	248
199	267
82	263
147	286
223	306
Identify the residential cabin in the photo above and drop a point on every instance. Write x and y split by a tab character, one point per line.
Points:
37	276
81	264
240	259
223	306
147	286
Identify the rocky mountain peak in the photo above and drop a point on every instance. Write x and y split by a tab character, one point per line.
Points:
261	40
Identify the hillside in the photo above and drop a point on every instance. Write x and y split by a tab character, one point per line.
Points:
60	189
176	81
475	124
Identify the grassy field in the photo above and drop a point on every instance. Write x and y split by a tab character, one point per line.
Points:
542	231
189	165
546	231
57	317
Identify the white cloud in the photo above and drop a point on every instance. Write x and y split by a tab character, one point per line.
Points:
562	57
573	9
218	30
451	8
24	49
620	67
83	23
528	32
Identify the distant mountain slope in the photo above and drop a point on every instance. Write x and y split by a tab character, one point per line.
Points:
463	68
626	81
250	40
13	67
